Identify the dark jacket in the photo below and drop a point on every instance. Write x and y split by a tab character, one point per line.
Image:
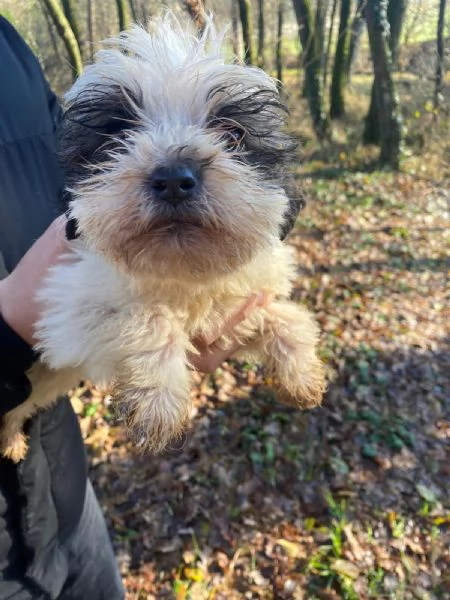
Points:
41	499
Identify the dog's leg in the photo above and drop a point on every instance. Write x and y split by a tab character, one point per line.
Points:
13	442
287	346
152	389
121	344
47	387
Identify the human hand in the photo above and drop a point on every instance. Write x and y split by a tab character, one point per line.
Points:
210	353
18	304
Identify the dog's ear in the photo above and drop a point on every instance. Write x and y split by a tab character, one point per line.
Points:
296	202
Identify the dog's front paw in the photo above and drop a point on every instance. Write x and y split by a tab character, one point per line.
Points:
154	417
289	344
14	447
299	379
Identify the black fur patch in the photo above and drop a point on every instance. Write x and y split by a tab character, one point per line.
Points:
266	145
92	126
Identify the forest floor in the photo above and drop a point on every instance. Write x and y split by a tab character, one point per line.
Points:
350	500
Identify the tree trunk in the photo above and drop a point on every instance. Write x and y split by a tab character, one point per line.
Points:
311	61
321	15
385	100
122	13
321	9
51	30
396	15
91	28
356	31
66	34
337	102
326	58
196	11
234	27
279	42
261	34
71	16
134	11
246	23
439	78
371	125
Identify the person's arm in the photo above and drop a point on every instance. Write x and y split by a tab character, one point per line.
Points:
19	311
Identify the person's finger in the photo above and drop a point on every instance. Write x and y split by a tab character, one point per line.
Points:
255	300
211	357
230	322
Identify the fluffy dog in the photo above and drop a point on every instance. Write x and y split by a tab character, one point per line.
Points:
176	165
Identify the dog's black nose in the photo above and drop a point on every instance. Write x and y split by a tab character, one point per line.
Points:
174	184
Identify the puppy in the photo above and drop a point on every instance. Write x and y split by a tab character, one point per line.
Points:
176	163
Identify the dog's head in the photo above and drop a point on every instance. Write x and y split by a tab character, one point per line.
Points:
175	159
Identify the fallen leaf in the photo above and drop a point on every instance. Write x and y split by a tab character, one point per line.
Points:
292	549
345	567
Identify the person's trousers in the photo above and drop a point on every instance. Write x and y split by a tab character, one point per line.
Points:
93	572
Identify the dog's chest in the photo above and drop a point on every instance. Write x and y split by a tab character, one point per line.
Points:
194	313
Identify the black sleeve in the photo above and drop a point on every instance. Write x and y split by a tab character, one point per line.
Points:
54	105
16	357
30	181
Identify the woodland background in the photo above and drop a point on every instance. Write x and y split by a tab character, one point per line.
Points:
350	500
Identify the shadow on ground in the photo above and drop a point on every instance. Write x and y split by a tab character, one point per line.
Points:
262	500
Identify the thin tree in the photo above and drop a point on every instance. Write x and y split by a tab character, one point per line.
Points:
71	16
234	27
321	15
91	28
356	30
311	61
392	31
246	23
65	32
396	11
51	30
389	126
327	50
279	41
439	77
337	102
261	34
122	13
134	11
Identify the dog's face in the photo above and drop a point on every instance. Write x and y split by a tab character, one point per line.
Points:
176	161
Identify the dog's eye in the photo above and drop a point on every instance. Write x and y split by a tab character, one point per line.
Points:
233	137
116	125
232	134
